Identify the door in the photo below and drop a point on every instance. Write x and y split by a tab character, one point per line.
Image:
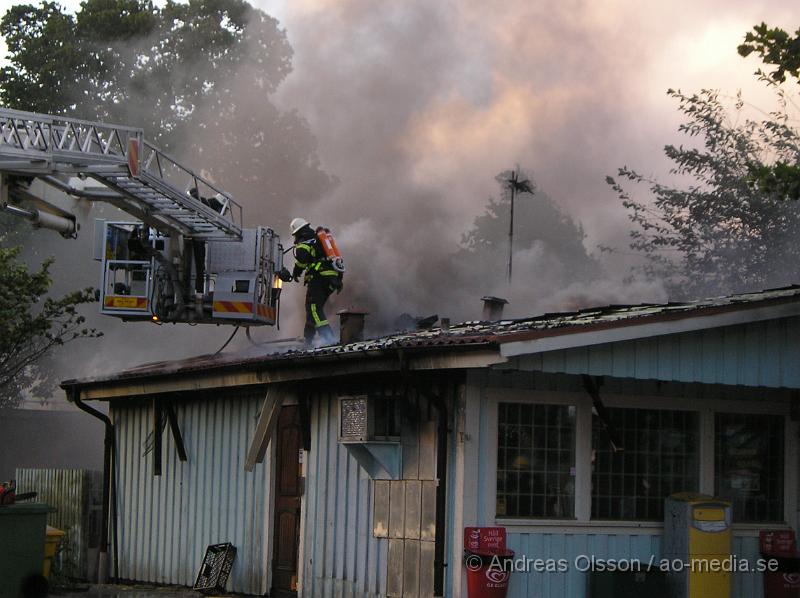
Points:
287	502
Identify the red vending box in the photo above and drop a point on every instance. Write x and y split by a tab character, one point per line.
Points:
781	546
488	562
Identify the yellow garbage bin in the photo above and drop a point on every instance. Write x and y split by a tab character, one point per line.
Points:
697	541
53	538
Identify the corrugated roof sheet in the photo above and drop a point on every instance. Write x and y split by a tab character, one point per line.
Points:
469	334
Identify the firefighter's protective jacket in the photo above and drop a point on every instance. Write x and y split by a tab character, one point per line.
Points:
310	258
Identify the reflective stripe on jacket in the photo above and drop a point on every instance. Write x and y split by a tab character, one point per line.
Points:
310	258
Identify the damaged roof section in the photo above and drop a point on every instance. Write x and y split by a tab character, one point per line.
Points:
505	338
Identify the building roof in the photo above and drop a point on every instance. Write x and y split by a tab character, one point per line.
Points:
604	323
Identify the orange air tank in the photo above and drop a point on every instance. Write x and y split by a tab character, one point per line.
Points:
331	250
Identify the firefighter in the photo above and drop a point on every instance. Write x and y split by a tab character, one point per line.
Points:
320	277
216	203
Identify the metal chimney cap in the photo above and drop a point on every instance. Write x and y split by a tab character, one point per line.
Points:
355	311
351	321
492	299
493	308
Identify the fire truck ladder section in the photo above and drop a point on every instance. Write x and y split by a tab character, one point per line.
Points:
141	179
197	264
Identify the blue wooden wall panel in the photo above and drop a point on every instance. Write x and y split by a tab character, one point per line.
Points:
624	358
757	354
791	334
577	358
771	364
573	583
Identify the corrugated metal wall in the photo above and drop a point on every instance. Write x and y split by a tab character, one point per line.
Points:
77	496
166	522
758	354
340	555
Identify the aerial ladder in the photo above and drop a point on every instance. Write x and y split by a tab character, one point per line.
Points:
186	257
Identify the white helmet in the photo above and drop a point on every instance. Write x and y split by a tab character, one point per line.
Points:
297	224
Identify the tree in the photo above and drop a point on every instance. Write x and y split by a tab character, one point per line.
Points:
44	58
720	233
31	325
117	58
777	48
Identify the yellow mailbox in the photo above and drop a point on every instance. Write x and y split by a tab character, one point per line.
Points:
697	542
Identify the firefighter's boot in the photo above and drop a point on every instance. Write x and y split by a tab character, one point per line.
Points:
326	336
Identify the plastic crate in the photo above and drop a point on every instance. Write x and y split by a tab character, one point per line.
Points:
216	567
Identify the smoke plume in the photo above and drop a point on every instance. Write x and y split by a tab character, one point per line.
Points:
394	122
418	105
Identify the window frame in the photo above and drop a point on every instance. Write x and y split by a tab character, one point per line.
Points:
495	453
786	457
698	432
706	408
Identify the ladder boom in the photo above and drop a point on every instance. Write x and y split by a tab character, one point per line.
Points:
186	258
148	181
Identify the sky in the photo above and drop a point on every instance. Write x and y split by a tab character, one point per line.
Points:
417	105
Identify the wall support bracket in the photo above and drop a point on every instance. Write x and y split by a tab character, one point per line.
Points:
592	386
265	428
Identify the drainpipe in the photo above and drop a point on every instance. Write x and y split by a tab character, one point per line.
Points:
102	565
439	547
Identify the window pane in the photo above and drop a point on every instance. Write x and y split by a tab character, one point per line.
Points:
749	465
535	460
661	457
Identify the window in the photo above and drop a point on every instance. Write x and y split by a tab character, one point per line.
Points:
748	465
535	460
661	457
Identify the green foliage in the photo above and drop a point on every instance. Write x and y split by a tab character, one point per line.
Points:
31	324
779	180
45	57
775	47
117	57
720	233
779	49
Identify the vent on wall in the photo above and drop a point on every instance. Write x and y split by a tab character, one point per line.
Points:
366	418
369	427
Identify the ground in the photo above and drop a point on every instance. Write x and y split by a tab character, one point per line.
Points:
134	591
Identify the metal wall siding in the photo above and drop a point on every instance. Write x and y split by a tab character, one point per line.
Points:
342	558
77	495
573	583
757	354
166	522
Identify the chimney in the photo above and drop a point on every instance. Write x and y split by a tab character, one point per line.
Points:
492	308
351	325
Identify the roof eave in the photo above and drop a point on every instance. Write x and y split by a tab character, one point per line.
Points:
541	341
310	367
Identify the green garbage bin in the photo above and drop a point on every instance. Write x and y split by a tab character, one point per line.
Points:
651	583
22	532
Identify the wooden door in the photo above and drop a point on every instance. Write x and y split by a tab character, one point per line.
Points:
287	502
